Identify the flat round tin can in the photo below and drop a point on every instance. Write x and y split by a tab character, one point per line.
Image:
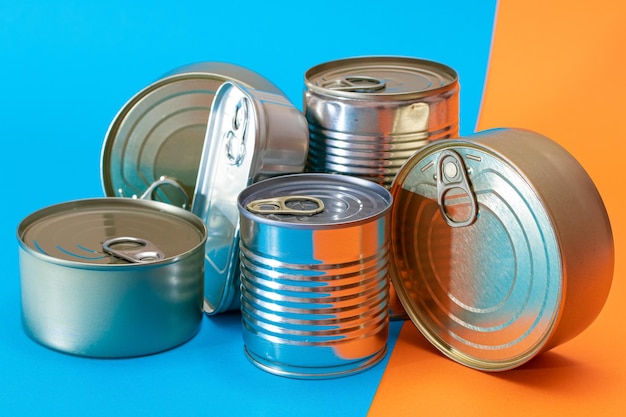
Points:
314	274
501	247
111	277
160	131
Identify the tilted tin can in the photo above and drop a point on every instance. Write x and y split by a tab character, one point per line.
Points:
501	247
314	270
368	115
111	277
161	129
251	135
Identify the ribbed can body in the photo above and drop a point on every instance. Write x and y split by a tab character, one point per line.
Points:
314	296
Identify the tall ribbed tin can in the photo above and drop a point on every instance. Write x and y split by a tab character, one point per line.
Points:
314	266
368	115
160	131
501	247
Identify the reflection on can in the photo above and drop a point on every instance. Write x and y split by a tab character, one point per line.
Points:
314	268
501	247
368	115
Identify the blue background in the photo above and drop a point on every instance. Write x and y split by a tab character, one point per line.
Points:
66	69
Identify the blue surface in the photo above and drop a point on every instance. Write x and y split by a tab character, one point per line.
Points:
68	66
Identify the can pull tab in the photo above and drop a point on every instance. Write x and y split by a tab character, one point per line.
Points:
294	204
164	180
133	249
454	189
356	84
235	137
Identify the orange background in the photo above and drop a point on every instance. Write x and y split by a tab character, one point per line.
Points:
558	68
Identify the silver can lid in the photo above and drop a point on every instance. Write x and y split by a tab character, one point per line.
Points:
383	77
160	131
111	232
475	257
314	201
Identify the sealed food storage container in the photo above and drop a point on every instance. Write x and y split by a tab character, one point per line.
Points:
314	274
111	277
251	135
501	247
160	131
368	115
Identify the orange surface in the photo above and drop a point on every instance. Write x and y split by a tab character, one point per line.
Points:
558	68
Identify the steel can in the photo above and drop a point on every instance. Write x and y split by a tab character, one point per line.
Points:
314	274
501	247
368	115
251	135
161	129
111	277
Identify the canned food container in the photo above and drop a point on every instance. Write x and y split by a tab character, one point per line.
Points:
111	277
501	247
161	129
368	115
251	135
314	274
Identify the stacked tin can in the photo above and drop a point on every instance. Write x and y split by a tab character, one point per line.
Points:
368	115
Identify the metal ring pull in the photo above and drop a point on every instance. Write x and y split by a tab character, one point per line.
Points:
133	249
163	180
452	179
356	84
279	205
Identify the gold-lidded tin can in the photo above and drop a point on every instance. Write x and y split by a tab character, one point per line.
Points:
501	247
111	277
251	135
160	131
314	262
368	115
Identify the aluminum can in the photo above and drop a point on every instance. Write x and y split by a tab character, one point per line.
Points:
160	130
501	247
314	274
368	115
251	135
111	277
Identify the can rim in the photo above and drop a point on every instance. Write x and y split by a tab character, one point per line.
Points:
152	205
382	59
352	180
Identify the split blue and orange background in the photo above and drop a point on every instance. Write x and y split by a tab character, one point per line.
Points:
67	66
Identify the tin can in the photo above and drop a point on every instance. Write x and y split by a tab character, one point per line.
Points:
501	247
161	129
368	115
111	277
314	274
251	135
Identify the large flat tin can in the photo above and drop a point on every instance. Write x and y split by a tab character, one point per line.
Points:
251	135
160	131
501	247
111	277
